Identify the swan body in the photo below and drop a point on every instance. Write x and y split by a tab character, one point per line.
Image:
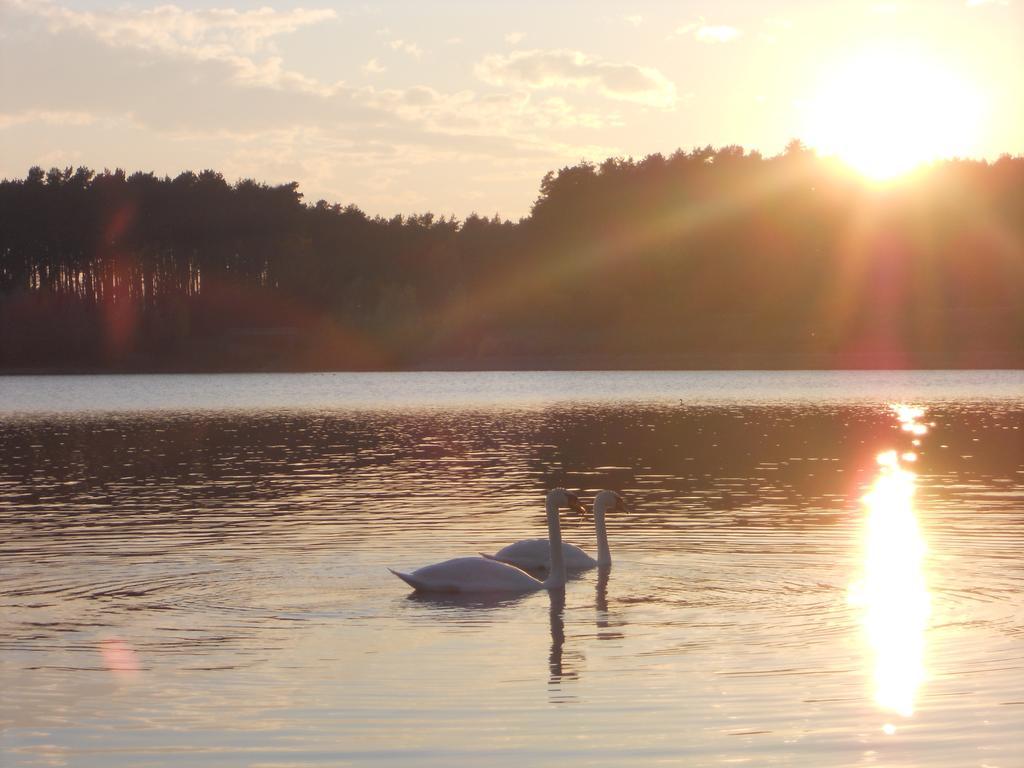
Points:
483	575
535	554
470	574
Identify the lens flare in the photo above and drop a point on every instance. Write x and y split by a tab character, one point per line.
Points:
893	591
119	657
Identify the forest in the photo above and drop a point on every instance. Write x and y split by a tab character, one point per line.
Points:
709	258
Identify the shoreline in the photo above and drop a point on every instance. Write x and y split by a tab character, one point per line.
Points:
534	364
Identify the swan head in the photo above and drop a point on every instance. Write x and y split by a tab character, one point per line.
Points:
559	497
610	501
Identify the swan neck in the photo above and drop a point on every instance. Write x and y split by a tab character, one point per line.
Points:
604	554
557	577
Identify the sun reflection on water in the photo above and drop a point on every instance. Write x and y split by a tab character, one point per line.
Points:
893	591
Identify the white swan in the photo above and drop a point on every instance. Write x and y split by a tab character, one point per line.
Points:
478	574
535	554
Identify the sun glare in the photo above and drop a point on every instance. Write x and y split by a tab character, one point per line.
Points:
888	111
893	591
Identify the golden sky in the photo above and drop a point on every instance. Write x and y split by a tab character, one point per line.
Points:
455	107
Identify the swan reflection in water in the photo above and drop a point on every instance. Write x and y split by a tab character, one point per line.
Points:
470	606
563	663
558	671
606	626
893	591
606	630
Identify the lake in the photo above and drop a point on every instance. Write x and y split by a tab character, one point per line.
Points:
195	570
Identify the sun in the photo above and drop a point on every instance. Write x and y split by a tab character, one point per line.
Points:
887	111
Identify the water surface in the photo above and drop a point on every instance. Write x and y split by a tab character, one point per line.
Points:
194	570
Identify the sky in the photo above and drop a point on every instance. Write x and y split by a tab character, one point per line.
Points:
460	106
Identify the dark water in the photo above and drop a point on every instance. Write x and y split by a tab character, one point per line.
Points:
194	571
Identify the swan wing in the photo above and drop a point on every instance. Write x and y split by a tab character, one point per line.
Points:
576	559
469	574
535	555
528	554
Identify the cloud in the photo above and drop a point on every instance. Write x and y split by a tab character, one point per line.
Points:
514	38
212	90
978	3
242	39
718	33
374	67
538	69
213	33
406	47
271	73
160	91
516	116
634	20
709	33
76	118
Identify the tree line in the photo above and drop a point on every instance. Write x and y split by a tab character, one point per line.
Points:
709	258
